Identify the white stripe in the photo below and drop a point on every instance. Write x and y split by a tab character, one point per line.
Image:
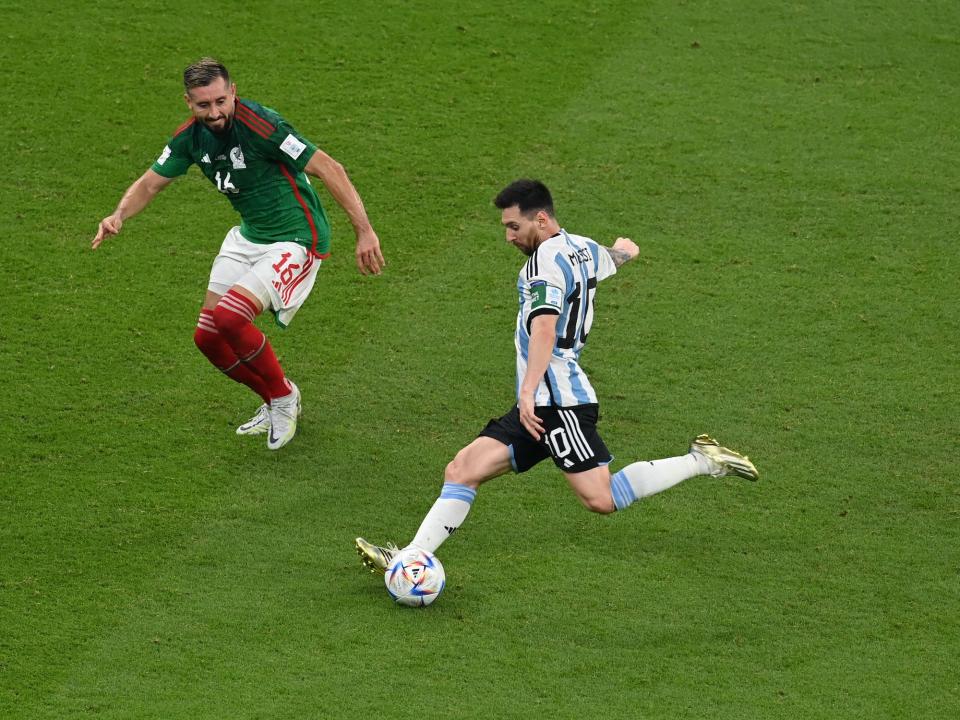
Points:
574	441
576	434
238	307
583	438
205	323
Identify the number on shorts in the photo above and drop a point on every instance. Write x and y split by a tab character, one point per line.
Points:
285	274
558	443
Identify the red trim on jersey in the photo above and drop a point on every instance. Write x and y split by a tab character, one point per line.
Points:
183	127
253	115
306	211
253	121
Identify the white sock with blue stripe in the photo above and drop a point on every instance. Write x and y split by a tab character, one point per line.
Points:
447	514
646	478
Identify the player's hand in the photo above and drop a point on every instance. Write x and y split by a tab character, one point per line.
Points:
528	417
369	258
110	225
628	246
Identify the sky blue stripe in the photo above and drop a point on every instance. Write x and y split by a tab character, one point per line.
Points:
579	392
623	495
455	491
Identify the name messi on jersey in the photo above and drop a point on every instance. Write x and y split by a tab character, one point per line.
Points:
581	255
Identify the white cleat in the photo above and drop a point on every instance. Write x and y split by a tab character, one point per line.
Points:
258	424
283	413
724	461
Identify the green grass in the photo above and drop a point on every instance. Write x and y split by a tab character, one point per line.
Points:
789	172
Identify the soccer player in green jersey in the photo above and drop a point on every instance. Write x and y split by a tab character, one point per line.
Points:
270	261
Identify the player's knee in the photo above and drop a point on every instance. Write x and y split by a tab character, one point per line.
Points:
457	471
454	472
227	319
201	338
598	503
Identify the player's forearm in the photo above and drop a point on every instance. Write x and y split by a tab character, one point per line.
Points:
619	257
137	197
622	251
338	184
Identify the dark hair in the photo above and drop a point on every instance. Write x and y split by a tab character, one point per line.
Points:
530	196
203	72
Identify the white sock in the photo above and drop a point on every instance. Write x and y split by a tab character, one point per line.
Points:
447	514
648	477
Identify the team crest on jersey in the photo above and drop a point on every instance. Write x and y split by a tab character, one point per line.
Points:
236	157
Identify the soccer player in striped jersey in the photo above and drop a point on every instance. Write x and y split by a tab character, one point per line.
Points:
557	410
259	162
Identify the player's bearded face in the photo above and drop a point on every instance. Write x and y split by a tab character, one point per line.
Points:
213	104
522	232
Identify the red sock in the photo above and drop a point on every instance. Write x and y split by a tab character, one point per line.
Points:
233	317
224	359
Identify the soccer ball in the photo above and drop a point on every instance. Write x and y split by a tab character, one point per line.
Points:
414	577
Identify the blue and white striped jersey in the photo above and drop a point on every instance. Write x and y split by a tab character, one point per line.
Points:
561	278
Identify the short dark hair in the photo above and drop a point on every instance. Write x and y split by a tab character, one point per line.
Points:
203	72
530	196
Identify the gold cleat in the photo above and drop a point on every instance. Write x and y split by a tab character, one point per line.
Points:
375	557
725	460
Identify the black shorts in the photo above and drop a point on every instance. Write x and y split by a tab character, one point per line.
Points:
571	438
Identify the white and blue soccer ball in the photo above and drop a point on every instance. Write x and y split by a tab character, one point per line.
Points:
414	577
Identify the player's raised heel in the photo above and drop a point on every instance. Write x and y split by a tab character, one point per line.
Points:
375	557
283	414
724	460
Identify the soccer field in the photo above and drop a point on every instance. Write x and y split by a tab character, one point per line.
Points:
790	173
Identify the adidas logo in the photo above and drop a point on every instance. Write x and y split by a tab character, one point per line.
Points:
450	530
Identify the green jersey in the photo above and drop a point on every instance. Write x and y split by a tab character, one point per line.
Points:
258	164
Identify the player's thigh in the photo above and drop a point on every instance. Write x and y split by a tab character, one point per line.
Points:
481	460
593	488
234	260
210	300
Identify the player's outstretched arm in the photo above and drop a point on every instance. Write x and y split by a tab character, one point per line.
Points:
622	251
135	199
335	178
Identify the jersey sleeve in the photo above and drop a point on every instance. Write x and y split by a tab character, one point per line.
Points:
175	159
543	288
288	146
603	263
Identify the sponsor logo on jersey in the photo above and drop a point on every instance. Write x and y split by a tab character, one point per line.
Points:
205	159
164	155
236	157
292	147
